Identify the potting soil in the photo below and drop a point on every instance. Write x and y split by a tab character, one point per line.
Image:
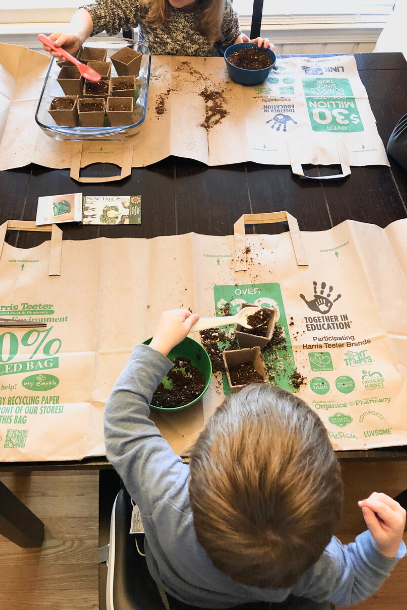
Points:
87	105
259	322
62	103
243	374
186	381
214	109
216	341
99	88
122	85
250	59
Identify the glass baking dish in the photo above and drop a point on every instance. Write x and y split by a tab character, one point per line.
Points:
52	89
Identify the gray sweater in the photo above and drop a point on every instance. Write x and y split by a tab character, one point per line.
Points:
157	480
179	36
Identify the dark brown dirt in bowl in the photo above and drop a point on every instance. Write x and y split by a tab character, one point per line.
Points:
259	322
187	381
90	106
62	103
122	85
99	88
243	374
250	59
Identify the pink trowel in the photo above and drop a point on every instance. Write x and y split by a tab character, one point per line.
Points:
86	71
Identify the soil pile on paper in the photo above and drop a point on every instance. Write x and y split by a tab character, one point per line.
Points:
216	341
187	384
250	58
214	107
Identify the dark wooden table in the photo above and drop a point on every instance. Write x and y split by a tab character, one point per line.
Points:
181	195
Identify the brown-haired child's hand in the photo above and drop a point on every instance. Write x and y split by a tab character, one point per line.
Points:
386	520
261	42
70	42
173	327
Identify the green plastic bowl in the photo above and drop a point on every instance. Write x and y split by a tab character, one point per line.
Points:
188	348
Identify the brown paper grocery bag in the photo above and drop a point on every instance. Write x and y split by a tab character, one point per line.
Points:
340	296
307	111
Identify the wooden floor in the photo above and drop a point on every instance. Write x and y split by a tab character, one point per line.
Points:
63	575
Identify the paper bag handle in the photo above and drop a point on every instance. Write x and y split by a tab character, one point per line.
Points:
268	218
125	169
56	240
296	165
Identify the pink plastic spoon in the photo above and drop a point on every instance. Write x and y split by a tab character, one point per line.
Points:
86	71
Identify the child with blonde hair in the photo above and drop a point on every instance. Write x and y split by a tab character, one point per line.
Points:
251	519
169	27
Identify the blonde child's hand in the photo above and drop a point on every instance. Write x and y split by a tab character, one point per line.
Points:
386	520
70	42
261	42
173	327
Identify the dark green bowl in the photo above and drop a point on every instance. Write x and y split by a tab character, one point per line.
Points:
188	348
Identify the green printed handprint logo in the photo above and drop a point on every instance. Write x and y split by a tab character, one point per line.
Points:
320	302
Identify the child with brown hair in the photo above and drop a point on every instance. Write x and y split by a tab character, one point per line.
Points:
251	519
169	27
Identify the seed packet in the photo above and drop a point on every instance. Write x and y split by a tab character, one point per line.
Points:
114	210
59	208
90	210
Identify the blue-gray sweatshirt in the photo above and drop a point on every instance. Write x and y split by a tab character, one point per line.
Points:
157	480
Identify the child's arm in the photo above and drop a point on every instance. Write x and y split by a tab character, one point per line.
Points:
144	460
348	574
80	28
109	15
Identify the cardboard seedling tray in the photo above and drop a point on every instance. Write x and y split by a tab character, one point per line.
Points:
92	54
120	111
118	81
247	340
64	110
90	116
98	89
70	80
233	358
127	62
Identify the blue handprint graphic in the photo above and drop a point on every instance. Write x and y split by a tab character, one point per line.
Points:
281	120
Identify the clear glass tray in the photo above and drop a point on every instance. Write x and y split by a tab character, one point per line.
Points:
52	89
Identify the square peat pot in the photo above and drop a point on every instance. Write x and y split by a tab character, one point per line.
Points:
92	111
103	67
127	61
120	111
70	80
98	89
64	110
233	358
245	339
92	54
123	86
